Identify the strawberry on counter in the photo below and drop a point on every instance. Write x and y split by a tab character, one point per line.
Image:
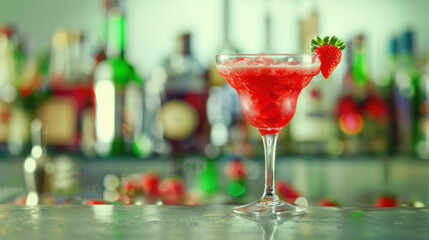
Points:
328	202
386	200
150	184
286	192
172	191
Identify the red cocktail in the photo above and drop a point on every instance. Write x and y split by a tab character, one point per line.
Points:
268	87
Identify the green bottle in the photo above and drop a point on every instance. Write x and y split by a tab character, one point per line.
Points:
387	86
421	115
373	106
419	101
406	94
118	96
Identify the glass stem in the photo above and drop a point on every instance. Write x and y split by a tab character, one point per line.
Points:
270	141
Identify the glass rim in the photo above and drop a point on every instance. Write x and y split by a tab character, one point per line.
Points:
305	57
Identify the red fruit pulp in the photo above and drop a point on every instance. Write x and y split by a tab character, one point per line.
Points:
268	89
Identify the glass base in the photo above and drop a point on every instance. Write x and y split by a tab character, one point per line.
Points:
269	207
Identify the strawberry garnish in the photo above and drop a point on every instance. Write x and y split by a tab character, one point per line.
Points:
329	51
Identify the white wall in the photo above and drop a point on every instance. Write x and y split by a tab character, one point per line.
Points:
154	25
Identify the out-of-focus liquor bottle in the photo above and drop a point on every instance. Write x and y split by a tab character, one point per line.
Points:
348	112
312	126
26	102
406	80
182	116
228	129
38	169
363	115
118	93
420	127
16	71
67	92
373	106
88	115
386	83
8	78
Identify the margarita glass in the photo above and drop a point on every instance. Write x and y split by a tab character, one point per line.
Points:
268	86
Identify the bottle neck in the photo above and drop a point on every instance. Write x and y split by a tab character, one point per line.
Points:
227	46
36	133
115	34
59	68
359	65
184	45
226	21
6	61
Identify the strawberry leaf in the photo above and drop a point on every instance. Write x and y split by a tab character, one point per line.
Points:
326	39
314	42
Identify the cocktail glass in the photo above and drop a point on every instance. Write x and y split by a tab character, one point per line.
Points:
268	86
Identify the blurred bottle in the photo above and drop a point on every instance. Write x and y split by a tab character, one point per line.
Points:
118	95
406	81
88	115
348	111
362	111
27	99
421	114
66	93
38	169
312	126
215	79
8	80
182	116
374	110
386	84
228	129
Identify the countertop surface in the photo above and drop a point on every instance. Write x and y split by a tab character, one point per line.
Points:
207	222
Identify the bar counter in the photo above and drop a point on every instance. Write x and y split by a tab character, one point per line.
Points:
207	222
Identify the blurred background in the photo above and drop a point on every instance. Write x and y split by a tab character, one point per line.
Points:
109	101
